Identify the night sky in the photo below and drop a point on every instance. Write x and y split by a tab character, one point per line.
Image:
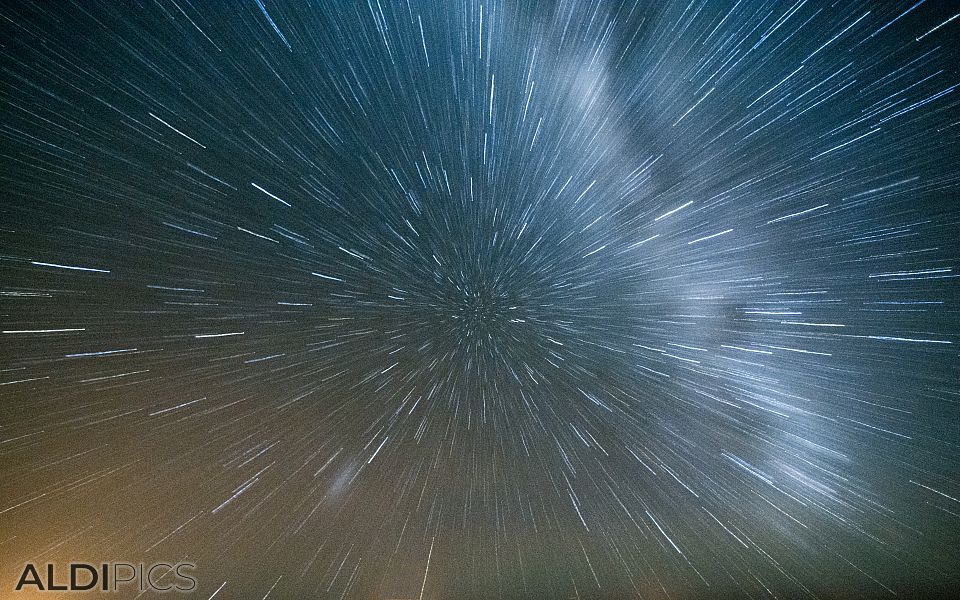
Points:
468	300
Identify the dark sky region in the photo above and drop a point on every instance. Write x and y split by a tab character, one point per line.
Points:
463	300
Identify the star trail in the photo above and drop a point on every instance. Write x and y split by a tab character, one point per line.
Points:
441	300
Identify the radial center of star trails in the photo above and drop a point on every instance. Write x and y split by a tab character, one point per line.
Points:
481	308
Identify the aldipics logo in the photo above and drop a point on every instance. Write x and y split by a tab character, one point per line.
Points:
107	577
